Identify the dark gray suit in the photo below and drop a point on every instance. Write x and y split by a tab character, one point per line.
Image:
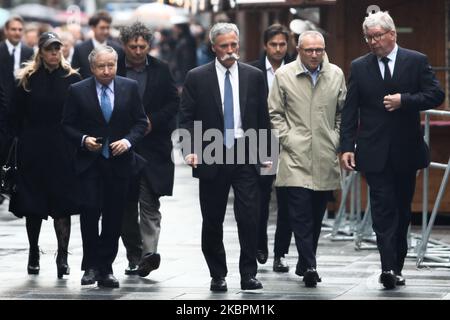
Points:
389	146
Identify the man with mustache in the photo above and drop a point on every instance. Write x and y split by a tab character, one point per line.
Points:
230	97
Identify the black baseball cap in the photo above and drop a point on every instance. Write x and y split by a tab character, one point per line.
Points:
47	38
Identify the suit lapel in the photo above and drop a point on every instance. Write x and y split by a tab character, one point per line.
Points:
373	68
400	65
119	94
243	86
93	101
214	86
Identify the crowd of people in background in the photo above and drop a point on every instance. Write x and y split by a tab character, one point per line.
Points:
94	116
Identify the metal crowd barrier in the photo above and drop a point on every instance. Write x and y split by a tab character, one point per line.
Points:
349	226
427	249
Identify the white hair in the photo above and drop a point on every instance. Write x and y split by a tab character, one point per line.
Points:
311	33
100	49
222	28
380	19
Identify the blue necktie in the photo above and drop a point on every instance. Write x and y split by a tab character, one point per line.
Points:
228	112
105	104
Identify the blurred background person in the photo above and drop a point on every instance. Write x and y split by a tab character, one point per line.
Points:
68	42
12	54
185	56
276	41
31	36
46	182
100	24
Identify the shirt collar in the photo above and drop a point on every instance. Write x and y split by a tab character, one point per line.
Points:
269	65
392	55
96	43
11	46
233	69
303	69
99	86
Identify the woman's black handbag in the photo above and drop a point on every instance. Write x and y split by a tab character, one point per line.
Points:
8	173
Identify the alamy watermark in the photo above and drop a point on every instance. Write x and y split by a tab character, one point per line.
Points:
254	147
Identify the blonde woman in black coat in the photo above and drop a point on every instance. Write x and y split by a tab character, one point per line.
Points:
46	183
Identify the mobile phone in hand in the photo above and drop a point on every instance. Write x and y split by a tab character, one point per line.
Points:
99	140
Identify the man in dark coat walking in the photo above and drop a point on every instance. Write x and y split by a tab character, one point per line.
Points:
103	117
381	134
141	228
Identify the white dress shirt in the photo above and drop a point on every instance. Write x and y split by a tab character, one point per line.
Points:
392	56
234	79
18	48
95	43
270	72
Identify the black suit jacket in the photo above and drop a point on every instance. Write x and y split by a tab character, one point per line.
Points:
6	72
81	52
201	101
383	136
161	104
83	116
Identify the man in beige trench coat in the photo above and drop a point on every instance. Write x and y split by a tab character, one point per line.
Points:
305	105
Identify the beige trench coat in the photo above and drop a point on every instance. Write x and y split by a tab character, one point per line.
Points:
307	119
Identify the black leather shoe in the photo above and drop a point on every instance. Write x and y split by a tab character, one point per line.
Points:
33	261
251	284
300	273
311	277
62	266
108	281
399	279
89	277
261	256
280	265
218	285
131	270
149	263
388	279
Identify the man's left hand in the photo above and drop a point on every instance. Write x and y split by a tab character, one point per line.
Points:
118	147
392	102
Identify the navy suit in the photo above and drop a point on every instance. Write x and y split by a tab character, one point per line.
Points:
389	146
104	181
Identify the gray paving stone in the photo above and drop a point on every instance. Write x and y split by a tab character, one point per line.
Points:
347	274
